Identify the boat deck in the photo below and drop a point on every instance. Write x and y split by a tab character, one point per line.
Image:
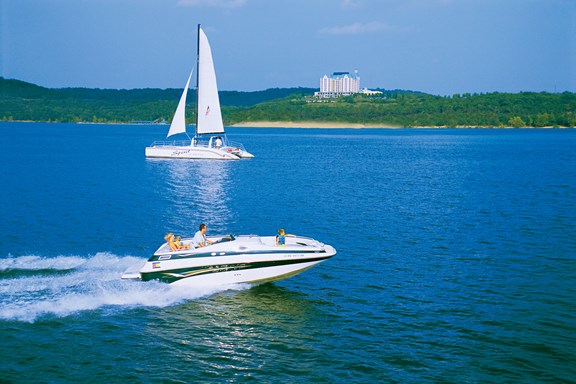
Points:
197	144
244	242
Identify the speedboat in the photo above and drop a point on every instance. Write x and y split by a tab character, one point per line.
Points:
232	259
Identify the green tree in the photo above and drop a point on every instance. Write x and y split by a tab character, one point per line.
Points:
517	122
542	120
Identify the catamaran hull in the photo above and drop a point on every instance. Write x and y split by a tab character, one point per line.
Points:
244	154
190	152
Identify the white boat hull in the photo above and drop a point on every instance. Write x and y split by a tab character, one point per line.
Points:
244	154
246	259
190	152
257	276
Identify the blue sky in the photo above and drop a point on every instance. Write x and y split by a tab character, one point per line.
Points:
435	46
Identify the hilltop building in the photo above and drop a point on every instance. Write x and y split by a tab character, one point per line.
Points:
341	84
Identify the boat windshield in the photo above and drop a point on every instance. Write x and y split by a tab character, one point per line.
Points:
225	239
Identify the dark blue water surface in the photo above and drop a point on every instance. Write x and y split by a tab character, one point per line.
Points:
456	257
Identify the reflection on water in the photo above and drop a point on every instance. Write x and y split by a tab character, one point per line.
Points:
196	191
238	329
261	305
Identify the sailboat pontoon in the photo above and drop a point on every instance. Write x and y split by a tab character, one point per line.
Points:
209	141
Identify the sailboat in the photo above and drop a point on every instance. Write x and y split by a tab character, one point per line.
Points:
209	141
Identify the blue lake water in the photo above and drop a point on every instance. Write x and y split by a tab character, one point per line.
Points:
456	257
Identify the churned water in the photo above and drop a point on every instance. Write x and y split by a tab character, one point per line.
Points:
456	257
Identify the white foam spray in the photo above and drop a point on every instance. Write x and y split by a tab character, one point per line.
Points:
34	286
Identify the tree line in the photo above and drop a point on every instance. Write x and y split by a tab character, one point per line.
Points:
409	109
21	101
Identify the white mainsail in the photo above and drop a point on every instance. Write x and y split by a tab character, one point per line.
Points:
209	118
179	120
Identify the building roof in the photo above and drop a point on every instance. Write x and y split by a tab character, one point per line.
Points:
339	75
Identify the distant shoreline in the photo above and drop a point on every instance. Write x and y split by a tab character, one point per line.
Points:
307	124
297	124
335	125
294	108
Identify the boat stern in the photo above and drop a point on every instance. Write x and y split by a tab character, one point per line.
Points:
131	276
133	272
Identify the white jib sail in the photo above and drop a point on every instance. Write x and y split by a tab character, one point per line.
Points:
209	114
179	120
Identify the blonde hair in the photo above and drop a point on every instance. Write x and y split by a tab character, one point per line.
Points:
281	232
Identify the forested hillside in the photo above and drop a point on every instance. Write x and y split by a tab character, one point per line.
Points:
21	101
407	109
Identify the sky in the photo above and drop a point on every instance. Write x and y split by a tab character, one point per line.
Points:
441	47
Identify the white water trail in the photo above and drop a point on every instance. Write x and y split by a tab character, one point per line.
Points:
32	287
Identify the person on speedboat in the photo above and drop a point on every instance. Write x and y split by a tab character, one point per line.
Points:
173	244
281	237
200	239
180	244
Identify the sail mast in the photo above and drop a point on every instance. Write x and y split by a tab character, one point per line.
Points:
197	79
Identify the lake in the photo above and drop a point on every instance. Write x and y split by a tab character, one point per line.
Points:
456	257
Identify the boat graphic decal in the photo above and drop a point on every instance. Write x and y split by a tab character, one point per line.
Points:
170	276
241	252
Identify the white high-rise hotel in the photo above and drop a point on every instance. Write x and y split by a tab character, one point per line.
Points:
339	84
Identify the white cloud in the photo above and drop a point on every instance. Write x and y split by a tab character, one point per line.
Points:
213	3
349	3
355	29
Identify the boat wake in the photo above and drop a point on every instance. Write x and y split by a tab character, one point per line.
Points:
33	287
